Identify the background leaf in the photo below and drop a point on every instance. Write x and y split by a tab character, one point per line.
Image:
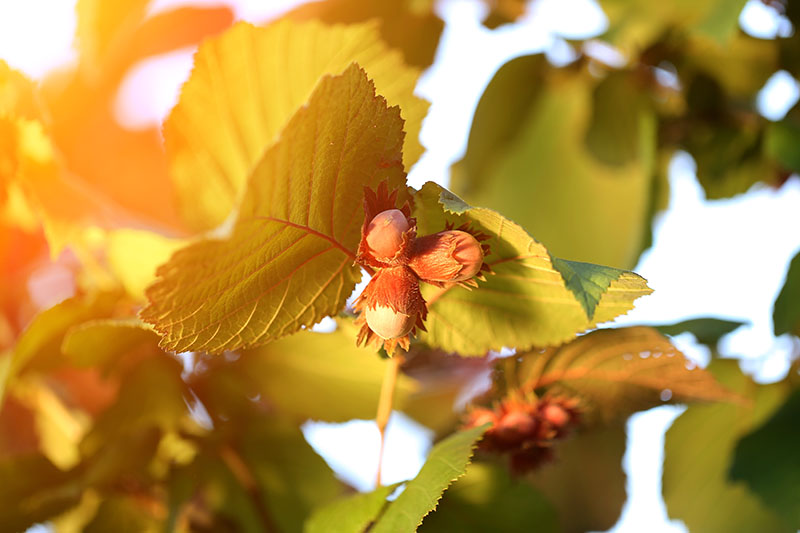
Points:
447	462
786	312
698	449
767	461
289	260
524	303
618	371
707	331
538	171
488	499
246	85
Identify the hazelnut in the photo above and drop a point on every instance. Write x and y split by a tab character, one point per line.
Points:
447	256
384	233
387	323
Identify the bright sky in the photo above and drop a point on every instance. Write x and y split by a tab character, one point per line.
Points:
725	258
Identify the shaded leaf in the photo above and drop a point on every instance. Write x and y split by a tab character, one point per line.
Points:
698	449
104	343
767	461
707	331
292	479
586	281
125	515
614	131
5	370
587	476
524	303
289	260
618	371
321	376
488	499
786	311
245	87
527	158
349	515
447	462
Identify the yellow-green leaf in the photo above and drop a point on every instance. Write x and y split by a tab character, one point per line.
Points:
101	343
289	260
524	303
245	86
447	462
618	371
134	255
352	514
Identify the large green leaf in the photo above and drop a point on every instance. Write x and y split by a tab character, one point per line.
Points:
246	85
322	376
786	311
447	462
697	454
526	302
289	260
586	483
488	499
349	515
103	343
767	460
618	371
528	158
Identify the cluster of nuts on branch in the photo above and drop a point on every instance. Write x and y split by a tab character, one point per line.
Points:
525	429
391	306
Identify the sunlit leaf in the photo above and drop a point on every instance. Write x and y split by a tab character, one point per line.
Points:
525	302
349	515
488	499
134	255
587	282
527	158
767	461
5	368
245	87
289	261
410	25
100	25
322	376
697	454
618	371
447	462
707	331
593	454
786	311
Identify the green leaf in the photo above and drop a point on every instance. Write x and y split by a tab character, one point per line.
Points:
353	514
246	85
618	371
698	449
322	376
104	342
528	159
586	281
488	499
289	260
707	331
524	303
124	515
292	479
786	311
586	483
614	131
447	462
33	490
767	461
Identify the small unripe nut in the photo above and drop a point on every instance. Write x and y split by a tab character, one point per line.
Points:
556	415
385	233
447	256
387	323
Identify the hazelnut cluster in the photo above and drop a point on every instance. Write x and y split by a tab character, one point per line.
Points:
391	306
526	430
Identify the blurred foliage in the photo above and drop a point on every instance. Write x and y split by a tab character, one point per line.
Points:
234	231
